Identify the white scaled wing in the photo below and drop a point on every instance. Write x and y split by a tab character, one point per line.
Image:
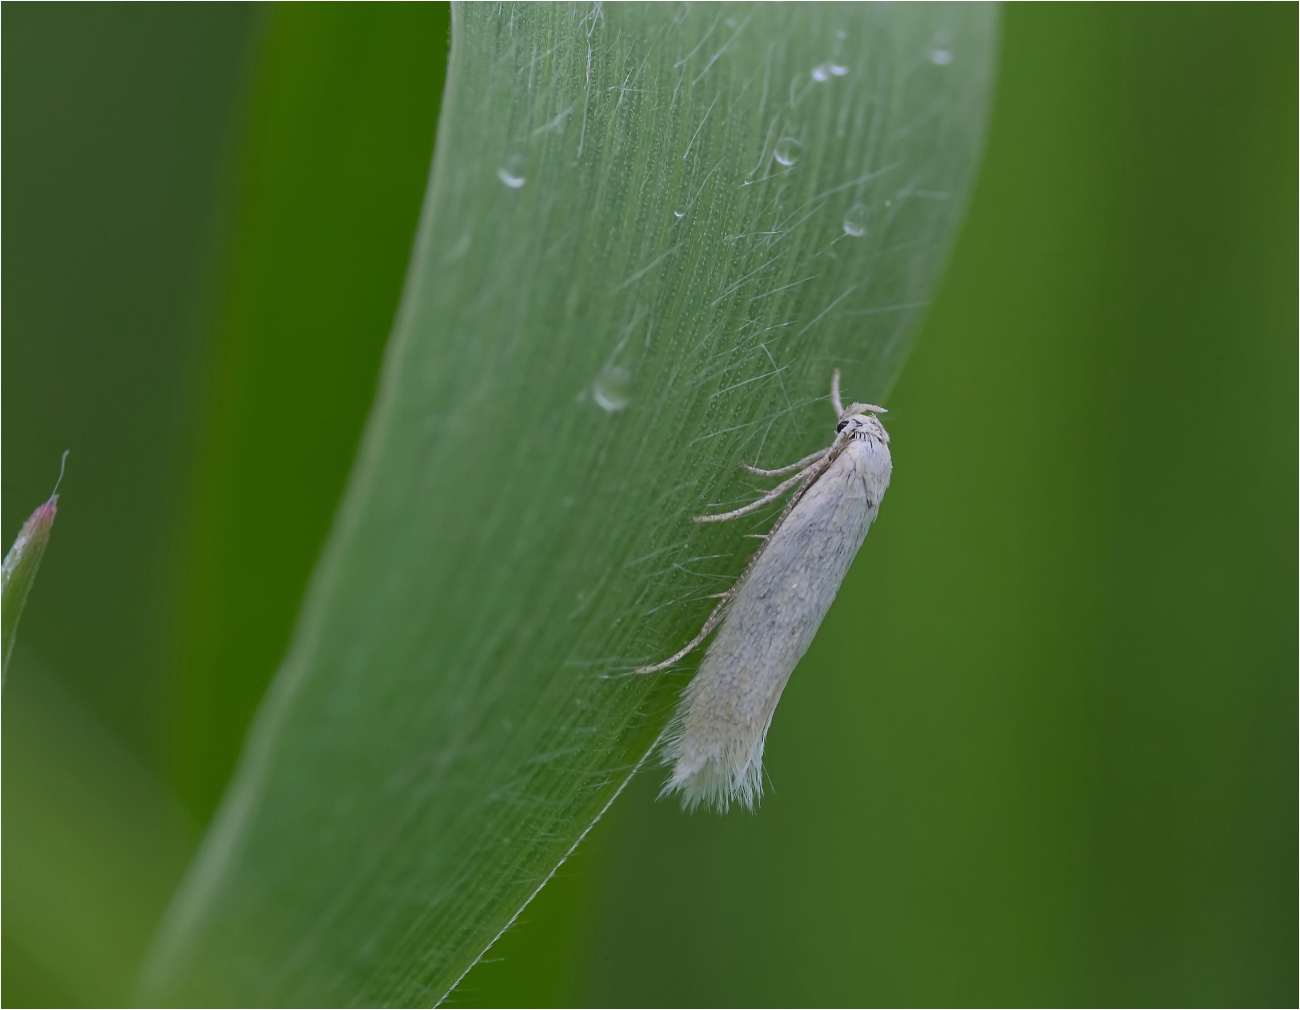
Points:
715	741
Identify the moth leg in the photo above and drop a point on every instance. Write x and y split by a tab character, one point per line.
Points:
809	478
835	393
714	620
754	506
806	461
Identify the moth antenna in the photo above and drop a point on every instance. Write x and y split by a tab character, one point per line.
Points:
835	393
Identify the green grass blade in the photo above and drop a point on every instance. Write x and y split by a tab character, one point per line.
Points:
18	572
338	133
650	234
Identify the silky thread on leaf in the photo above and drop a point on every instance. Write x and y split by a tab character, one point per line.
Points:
767	620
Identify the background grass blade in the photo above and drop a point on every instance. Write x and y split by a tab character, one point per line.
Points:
338	136
21	563
649	235
201	199
115	129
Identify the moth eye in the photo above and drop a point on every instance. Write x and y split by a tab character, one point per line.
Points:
842	425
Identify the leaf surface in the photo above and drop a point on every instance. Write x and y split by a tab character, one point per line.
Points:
650	234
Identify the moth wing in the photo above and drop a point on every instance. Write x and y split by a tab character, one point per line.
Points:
716	740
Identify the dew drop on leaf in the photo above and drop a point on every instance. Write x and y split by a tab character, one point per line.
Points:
512	172
611	389
855	220
787	150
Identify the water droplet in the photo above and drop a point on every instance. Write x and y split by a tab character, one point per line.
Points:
821	72
840	33
837	69
730	22
855	221
512	172
787	150
940	57
679	212
611	389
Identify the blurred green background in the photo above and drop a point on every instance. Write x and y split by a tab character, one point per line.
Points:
1043	750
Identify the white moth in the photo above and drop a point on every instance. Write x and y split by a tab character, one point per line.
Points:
714	742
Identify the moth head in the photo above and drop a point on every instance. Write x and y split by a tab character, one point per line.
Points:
859	421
